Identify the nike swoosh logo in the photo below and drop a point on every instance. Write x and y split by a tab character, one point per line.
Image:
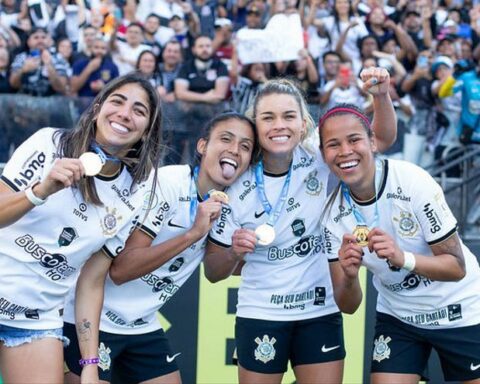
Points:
325	349
170	224
170	359
257	215
474	367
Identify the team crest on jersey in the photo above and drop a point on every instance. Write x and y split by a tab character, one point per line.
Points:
381	350
110	221
407	227
265	350
298	227
314	186
104	357
67	236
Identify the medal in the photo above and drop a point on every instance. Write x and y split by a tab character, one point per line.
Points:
361	234
265	234
92	163
222	195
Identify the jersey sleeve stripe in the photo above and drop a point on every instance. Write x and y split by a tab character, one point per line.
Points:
107	252
333	260
444	237
9	183
216	242
147	231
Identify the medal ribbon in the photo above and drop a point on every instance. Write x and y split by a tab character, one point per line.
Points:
272	216
358	215
103	156
194	194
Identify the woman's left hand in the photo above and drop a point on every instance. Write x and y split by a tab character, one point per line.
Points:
376	80
385	247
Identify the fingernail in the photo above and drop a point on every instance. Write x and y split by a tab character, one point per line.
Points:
374	80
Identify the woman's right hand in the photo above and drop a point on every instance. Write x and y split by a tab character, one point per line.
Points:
64	173
243	241
350	255
89	374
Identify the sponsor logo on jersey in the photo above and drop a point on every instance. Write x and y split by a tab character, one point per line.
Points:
303	163
303	248
258	215
184	198
313	185
67	236
173	225
110	221
327	241
407	226
117	320
163	285
32	314
293	300
30	169
320	295
343	213
160	216
381	350
176	265
265	351
433	218
399	195
454	312
221	222
104	357
248	188
298	227
149	195
80	212
58	268
292	205
10	310
451	313
123	195
410	282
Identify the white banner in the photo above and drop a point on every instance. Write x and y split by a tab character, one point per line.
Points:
281	40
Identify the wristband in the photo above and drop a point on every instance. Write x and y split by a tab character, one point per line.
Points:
35	200
409	261
92	360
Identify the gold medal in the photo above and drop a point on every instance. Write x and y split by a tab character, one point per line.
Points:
361	234
222	195
92	163
265	234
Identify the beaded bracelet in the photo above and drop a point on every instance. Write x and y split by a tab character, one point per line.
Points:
92	360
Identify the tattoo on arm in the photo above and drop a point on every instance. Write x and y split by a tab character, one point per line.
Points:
83	329
450	246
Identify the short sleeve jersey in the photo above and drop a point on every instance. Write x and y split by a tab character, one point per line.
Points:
42	253
202	81
131	308
412	209
288	279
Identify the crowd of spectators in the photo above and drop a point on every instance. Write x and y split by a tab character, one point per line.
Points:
188	49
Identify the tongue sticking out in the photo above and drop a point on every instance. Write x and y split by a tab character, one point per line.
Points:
228	170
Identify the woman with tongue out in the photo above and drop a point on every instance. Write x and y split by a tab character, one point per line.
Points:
287	307
162	252
428	282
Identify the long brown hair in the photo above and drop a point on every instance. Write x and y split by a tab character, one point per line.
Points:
140	160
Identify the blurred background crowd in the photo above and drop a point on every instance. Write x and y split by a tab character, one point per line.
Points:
56	55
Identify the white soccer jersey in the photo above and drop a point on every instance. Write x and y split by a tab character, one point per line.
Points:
290	278
42	253
412	209
131	308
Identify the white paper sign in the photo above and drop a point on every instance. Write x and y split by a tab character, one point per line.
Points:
281	40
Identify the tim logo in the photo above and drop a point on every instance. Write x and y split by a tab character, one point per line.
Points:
30	169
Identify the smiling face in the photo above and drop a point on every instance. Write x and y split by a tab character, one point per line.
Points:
349	153
147	63
123	118
280	124
227	152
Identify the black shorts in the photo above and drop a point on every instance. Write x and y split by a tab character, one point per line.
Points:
134	358
402	348
266	346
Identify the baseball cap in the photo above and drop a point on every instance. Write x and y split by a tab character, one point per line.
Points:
441	60
222	22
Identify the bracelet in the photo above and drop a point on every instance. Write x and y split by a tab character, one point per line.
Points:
35	200
409	261
92	360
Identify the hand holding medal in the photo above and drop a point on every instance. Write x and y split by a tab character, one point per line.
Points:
265	234
92	163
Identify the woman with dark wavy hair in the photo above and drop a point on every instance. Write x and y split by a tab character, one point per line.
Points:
65	196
